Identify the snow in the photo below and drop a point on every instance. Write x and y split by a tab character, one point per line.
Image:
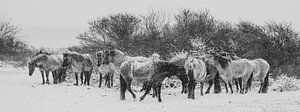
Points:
21	93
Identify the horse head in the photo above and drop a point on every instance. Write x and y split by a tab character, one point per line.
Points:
99	55
180	73
31	68
223	61
107	56
67	59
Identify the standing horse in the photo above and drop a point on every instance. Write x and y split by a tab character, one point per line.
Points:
47	62
196	71
106	70
151	72
81	64
212	72
180	60
230	69
261	70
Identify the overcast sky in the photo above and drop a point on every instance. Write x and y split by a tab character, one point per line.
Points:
55	23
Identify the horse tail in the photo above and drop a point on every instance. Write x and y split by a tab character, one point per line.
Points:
266	83
123	87
249	82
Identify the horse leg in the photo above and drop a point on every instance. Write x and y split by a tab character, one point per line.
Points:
191	88
240	83
230	86
128	83
261	86
193	93
143	87
107	81
88	75
265	84
59	76
42	73
47	77
112	79
158	92
122	87
244	86
185	89
201	88
217	86
226	88
76	78
237	84
81	77
210	83
154	89
54	75
148	88
100	80
249	82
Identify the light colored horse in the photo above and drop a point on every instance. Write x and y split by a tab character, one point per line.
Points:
261	71
80	64
117	57
230	69
47	62
152	73
134	70
196	71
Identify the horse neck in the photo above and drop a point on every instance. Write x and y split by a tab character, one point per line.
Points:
221	69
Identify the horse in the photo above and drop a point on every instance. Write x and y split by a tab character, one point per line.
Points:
117	57
151	72
212	72
105	70
47	62
261	71
196	71
230	69
179	59
80	64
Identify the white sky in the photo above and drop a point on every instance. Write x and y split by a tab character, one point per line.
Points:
55	23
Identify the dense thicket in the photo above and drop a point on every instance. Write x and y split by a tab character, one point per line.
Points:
189	30
12	48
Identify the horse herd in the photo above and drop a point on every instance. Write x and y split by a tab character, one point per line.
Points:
151	72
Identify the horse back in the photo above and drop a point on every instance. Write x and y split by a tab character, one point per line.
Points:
240	67
261	67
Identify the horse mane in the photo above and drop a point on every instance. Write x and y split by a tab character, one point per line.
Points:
179	58
223	61
42	52
37	58
75	55
117	52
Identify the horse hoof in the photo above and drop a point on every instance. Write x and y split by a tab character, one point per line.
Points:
76	84
47	82
159	100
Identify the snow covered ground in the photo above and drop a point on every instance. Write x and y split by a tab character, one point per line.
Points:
21	93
